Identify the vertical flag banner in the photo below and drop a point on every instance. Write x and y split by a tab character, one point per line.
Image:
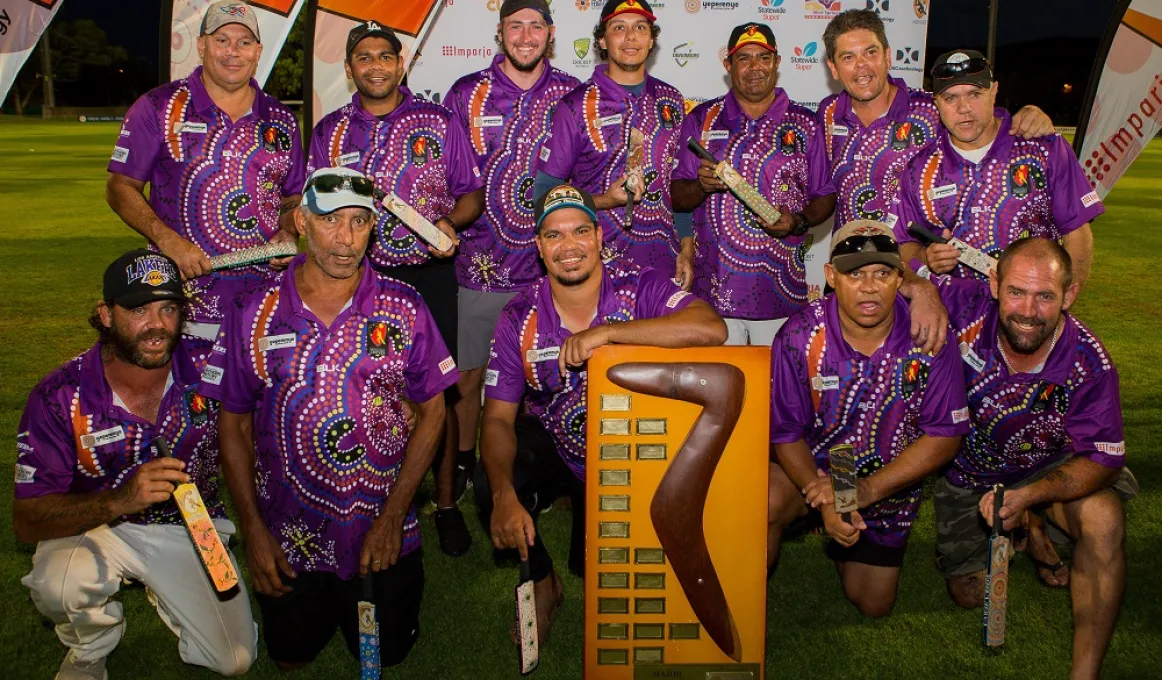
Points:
275	18
21	23
1123	109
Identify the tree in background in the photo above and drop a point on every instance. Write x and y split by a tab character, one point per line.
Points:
286	78
77	46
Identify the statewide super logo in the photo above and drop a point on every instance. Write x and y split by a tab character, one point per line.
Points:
771	10
423	148
822	9
803	58
1024	175
152	270
684	53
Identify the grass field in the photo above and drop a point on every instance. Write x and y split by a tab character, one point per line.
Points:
59	235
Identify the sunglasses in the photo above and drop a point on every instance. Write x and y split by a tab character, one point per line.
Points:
959	68
329	184
857	244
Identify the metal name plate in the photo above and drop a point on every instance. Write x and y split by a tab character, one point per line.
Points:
649	605
613	555
615	478
649	580
615	402
615	452
651	451
649	631
613	605
614	426
613	503
651	426
648	556
742	671
643	656
613	529
613	579
613	657
613	631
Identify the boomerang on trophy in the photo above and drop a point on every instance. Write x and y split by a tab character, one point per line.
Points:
429	232
634	180
843	481
996	585
969	256
742	189
369	663
526	615
256	255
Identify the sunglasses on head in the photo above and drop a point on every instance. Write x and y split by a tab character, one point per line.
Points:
959	68
329	184
857	244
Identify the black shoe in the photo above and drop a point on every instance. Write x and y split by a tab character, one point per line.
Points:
454	537
465	468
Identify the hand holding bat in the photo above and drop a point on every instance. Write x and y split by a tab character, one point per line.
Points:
845	533
191	260
512	526
707	179
153	482
1011	510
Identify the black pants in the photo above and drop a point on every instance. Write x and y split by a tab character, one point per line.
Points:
435	281
540	477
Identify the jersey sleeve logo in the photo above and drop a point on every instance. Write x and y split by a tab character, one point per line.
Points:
25	474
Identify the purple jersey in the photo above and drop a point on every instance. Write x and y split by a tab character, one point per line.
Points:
76	437
739	268
1024	422
217	183
418	151
826	393
329	430
588	145
529	336
506	127
1022	187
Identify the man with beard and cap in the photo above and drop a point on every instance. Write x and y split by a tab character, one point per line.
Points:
312	368
984	186
543	339
506	108
223	161
845	371
93	489
589	143
419	151
1047	424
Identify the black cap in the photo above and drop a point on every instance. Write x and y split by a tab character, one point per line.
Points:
142	276
563	196
369	29
616	7
751	34
959	67
510	7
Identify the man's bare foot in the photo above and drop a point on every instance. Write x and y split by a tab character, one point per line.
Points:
550	595
1041	551
967	591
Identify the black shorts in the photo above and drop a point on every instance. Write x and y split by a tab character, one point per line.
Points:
865	551
298	625
435	281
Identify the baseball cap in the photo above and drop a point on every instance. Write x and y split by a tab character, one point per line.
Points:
751	34
616	7
510	7
862	242
959	67
563	196
329	189
369	29
142	276
229	12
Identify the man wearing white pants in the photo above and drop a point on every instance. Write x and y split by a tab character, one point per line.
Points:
94	492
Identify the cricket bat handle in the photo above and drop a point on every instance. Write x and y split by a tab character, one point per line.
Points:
846	517
700	150
925	234
998	503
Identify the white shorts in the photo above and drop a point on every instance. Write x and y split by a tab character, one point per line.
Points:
751	332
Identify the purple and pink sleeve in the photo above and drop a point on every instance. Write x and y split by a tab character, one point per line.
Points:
1094	421
45	450
1074	202
791	408
139	145
505	378
562	147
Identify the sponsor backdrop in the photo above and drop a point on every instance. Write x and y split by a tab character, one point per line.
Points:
275	18
1125	104
21	23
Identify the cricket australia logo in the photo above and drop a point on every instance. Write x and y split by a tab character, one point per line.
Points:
581	47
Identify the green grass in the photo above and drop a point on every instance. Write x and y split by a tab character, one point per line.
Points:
59	235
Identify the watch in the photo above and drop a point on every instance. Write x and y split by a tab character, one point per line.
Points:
801	225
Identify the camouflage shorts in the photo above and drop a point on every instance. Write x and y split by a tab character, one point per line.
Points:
962	536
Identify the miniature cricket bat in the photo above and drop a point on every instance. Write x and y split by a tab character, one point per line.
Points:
369	663
526	615
737	185
843	481
417	222
256	255
207	542
969	256
633	170
996	585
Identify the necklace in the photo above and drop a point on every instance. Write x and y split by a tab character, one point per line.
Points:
1052	344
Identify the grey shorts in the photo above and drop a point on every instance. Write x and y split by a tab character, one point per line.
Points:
962	536
477	312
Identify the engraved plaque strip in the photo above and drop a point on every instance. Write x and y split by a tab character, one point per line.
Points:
613	579
685	631
613	631
613	555
648	605
647	655
615	402
613	657
650	580
649	556
615	478
613	503
613	605
651	451
613	529
615	452
614	426
649	631
650	426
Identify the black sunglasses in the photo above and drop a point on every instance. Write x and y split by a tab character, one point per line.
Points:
856	244
329	184
959	68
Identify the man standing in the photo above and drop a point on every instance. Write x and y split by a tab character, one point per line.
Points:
223	161
986	187
592	131
750	271
93	490
543	339
1047	424
311	368
506	108
420	152
845	371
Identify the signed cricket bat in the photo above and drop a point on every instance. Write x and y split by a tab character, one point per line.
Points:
843	480
738	186
256	255
526	616
633	170
369	663
969	256
996	585
207	542
417	222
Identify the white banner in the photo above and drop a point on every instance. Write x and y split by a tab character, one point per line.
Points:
275	18
21	23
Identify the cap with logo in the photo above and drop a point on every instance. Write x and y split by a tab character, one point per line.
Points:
563	196
862	242
960	67
229	12
142	276
751	34
617	7
510	7
372	29
329	189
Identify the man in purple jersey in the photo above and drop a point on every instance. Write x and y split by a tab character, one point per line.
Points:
506	108
312	368
845	371
543	339
223	161
878	123
1047	424
589	144
750	271
985	187
419	151
93	490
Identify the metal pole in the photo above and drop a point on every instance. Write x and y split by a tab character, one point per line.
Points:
992	46
46	68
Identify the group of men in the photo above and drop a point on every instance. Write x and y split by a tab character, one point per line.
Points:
323	385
